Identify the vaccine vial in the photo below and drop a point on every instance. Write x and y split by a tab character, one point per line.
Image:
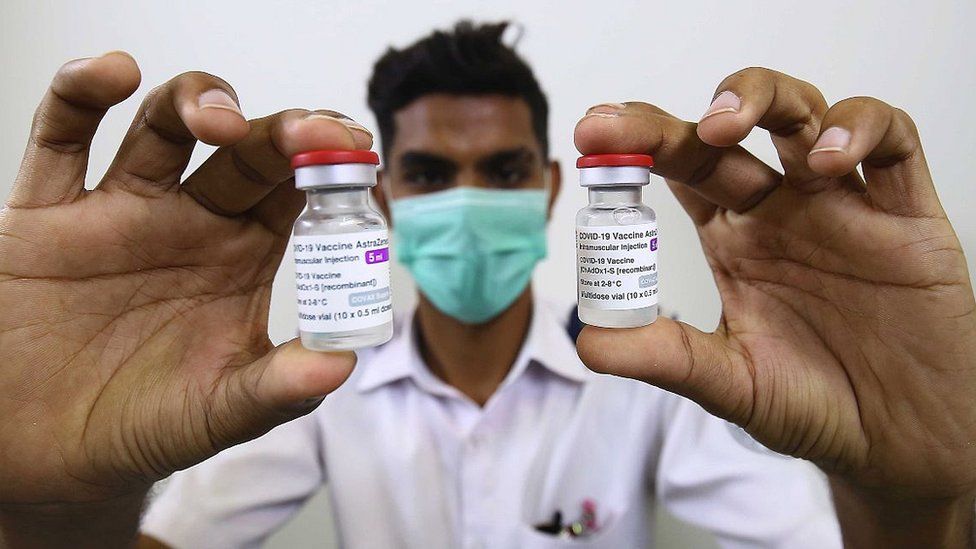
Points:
616	243
342	254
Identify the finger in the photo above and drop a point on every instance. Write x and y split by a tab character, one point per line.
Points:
236	178
278	210
361	135
885	141
158	145
53	169
789	108
676	357
288	382
698	207
728	177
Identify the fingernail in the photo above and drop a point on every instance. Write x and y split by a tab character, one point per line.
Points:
606	108
725	102
108	53
308	403
602	115
348	122
218	99
834	139
80	62
357	127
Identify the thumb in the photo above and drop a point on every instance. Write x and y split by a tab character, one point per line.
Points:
288	382
678	358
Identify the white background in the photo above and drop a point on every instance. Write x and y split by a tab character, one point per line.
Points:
318	54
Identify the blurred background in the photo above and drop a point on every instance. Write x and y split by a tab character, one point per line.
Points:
318	54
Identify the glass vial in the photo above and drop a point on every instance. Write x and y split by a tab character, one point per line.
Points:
616	243
342	255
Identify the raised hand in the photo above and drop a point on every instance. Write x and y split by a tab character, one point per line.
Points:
848	330
133	317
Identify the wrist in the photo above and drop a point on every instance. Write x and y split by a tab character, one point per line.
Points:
870	518
110	523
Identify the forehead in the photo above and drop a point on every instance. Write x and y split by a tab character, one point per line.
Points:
463	126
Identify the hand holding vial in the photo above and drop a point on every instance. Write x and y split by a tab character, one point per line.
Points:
133	333
841	297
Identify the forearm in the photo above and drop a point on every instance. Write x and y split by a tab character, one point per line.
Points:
869	520
108	524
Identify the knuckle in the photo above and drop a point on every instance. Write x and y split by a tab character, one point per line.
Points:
793	108
860	103
754	72
65	147
640	105
703	172
249	171
646	109
905	121
50	132
156	114
904	137
194	75
748	73
152	96
811	94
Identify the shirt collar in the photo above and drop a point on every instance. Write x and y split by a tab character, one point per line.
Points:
547	347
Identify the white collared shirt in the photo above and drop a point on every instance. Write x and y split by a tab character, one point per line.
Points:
411	462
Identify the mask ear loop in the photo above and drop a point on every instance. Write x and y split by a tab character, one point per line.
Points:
547	189
387	189
547	180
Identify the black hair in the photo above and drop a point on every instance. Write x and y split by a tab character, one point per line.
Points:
466	60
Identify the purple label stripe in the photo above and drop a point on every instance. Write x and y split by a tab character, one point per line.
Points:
378	255
653	244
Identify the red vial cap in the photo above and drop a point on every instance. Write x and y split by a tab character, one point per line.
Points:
601	160
321	158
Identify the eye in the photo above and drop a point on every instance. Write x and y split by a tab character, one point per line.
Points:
509	176
427	178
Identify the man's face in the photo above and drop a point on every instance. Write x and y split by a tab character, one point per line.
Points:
443	141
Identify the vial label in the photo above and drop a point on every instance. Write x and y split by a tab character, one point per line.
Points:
343	281
616	266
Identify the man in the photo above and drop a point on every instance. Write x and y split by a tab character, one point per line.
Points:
478	422
476	425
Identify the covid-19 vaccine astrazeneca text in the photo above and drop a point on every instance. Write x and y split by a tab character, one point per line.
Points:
616	243
342	254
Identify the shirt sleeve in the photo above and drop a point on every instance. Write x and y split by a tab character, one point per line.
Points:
712	474
239	497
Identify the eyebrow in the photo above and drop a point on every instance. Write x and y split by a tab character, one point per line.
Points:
518	155
417	158
521	155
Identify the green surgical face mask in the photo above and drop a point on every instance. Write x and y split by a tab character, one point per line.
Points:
470	250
